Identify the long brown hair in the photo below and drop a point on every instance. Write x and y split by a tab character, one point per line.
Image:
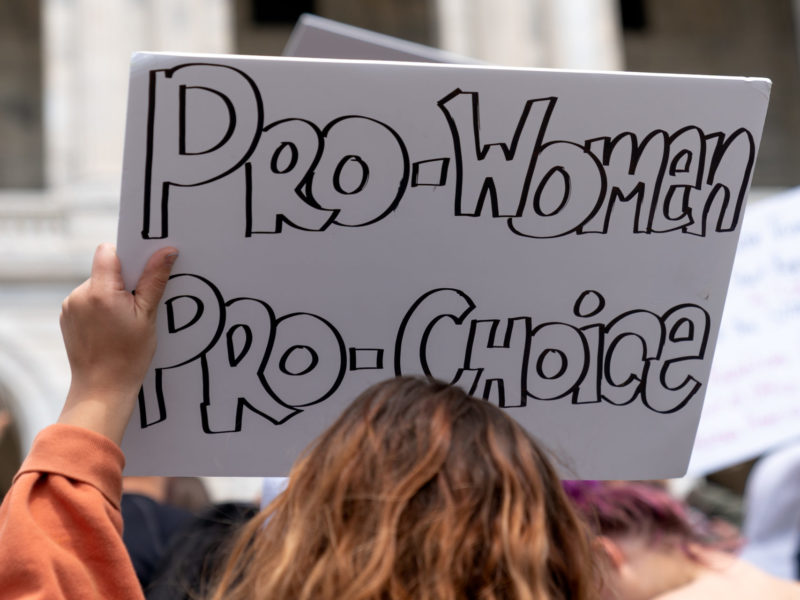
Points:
417	491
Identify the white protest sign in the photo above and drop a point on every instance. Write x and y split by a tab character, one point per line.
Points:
318	37
753	401
559	243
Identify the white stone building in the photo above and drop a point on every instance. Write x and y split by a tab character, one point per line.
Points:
63	78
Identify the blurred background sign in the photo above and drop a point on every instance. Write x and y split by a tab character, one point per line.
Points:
753	398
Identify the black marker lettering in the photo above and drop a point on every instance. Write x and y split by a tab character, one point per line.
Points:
355	170
363	171
323	370
278	178
684	172
567	186
254	362
174	156
558	361
497	171
195	315
507	351
237	380
719	204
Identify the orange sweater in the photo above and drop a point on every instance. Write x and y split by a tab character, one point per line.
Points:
60	524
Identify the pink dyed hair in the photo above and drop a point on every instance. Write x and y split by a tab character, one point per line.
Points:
622	509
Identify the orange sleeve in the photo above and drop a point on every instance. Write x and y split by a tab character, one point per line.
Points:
60	523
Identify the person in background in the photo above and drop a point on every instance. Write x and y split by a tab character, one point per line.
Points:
153	514
651	549
194	555
416	491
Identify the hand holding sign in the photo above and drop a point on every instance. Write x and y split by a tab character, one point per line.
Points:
110	339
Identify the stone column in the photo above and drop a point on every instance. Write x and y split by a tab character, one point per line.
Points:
585	34
501	32
565	34
87	49
47	236
20	95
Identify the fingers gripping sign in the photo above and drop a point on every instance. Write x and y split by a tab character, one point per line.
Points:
109	335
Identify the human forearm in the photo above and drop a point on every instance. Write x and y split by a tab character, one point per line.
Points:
109	335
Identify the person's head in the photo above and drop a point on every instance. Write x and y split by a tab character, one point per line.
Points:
645	535
619	509
188	493
193	556
416	491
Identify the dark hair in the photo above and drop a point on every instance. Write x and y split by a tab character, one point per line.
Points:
195	554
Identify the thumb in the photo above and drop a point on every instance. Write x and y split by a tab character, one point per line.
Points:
153	280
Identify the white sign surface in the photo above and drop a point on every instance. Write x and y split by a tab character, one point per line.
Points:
753	401
318	37
558	243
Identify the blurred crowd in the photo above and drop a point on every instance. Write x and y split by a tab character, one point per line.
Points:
644	542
